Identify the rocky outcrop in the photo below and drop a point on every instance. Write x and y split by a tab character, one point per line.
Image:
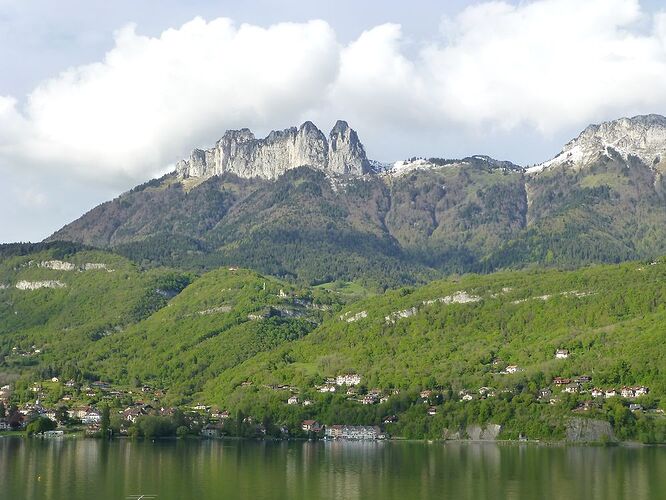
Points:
239	152
57	265
641	137
36	285
488	432
588	430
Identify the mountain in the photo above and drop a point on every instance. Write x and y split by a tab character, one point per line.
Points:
642	138
300	206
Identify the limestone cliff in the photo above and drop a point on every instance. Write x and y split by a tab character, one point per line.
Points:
241	153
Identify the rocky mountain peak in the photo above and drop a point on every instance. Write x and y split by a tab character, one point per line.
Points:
239	152
642	137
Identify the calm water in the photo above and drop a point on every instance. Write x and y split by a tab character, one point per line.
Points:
89	469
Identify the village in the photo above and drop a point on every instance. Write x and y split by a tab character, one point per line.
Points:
79	406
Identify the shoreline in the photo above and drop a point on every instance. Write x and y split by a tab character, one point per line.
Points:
498	442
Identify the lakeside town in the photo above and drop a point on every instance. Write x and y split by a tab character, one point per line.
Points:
57	407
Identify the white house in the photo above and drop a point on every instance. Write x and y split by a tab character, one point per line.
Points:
348	379
293	400
91	417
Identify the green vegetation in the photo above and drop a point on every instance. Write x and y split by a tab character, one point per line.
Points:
244	342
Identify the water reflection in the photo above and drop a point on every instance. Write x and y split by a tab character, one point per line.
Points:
84	469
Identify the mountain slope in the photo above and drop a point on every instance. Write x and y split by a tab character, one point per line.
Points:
250	202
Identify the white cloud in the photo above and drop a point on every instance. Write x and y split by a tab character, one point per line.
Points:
547	65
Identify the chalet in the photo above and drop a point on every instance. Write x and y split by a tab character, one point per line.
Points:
562	353
572	388
627	392
79	412
311	426
91	417
486	392
561	381
545	393
610	393
369	399
132	413
597	393
432	411
354	432
348	379
426	394
293	400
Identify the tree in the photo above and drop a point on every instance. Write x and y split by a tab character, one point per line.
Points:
40	425
61	415
3	411
15	418
105	421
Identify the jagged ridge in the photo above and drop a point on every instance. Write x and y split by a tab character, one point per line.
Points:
241	153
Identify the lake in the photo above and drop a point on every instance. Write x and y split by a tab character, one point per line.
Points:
62	469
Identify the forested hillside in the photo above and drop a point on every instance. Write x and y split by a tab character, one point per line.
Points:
481	346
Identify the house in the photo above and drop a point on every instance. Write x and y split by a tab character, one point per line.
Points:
545	393
583	379
79	412
597	393
4	425
311	426
220	415
635	407
432	411
326	388
293	400
627	392
512	369
348	379
561	381
70	383
91	417
467	397
201	407
369	399
391	419
562	354
307	402
54	379
641	391
572	388
354	432
426	394
610	393
486	392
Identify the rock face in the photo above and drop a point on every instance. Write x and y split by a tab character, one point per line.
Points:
239	152
589	430
36	285
642	137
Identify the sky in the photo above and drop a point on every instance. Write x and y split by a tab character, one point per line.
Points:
98	96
